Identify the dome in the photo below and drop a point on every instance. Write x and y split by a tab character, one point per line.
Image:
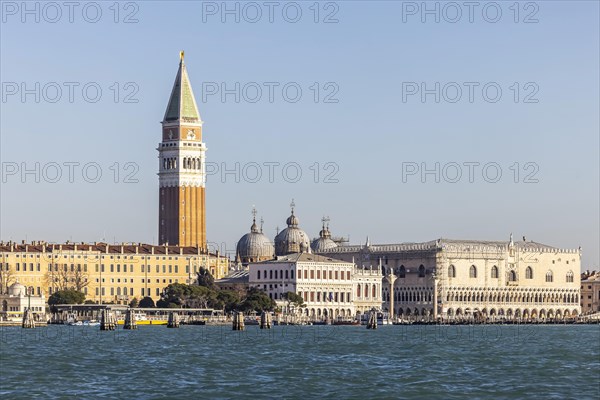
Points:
16	289
255	246
324	241
292	220
322	244
292	239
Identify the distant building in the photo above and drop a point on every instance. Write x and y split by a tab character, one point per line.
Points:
590	292
235	280
106	273
329	287
16	300
509	280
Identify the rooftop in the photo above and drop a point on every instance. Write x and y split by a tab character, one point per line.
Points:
302	257
101	247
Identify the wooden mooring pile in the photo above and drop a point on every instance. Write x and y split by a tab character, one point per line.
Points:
108	322
238	321
173	321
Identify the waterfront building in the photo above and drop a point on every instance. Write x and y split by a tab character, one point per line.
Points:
182	170
105	273
18	298
329	287
467	278
590	292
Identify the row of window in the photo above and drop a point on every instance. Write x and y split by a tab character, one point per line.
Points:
276	274
49	256
143	292
512	275
318	274
401	272
125	291
571	298
72	267
335	297
112	280
362	290
17	309
191	163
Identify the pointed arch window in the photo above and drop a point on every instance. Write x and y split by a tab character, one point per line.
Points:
512	276
529	273
421	271
549	276
473	272
494	272
451	271
402	272
570	277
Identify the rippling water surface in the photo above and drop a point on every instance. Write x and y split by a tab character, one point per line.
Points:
446	362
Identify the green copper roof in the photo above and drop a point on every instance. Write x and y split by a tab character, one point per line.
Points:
182	105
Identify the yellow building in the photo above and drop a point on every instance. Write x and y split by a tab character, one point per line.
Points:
107	273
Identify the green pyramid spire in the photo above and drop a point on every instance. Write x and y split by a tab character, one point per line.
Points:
182	104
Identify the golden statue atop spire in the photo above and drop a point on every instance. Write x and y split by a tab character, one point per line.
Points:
181	55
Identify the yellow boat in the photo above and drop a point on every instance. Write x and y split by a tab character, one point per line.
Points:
143	319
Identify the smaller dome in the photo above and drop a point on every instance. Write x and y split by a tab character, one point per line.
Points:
292	221
17	289
324	241
322	244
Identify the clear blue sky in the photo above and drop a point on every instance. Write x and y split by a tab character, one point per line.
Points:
369	55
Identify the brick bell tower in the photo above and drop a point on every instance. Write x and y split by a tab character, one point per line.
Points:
182	173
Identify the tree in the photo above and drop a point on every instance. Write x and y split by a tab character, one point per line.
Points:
257	300
63	277
146	302
68	296
295	299
205	278
6	278
134	302
229	300
189	296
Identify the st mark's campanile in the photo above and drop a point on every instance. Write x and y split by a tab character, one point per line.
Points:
182	173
